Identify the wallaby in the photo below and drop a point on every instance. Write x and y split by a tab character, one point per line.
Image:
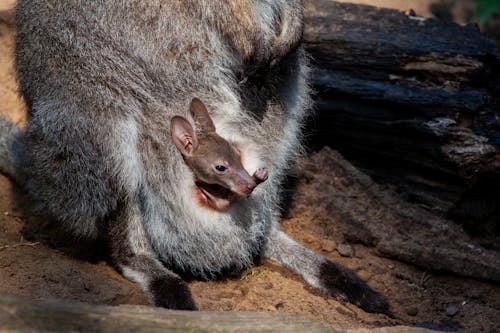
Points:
104	154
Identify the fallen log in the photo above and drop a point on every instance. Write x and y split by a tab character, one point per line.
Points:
412	101
25	315
351	204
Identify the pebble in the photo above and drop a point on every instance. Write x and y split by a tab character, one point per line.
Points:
345	250
270	308
451	311
413	311
328	245
364	275
410	12
358	255
308	238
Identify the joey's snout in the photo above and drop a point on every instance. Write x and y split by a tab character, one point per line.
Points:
247	190
244	184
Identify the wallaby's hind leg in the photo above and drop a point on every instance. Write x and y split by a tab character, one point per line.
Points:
13	161
324	274
133	256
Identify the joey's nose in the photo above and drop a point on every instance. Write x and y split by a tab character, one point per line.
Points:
244	184
249	188
246	188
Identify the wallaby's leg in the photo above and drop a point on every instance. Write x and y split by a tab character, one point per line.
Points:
133	256
324	274
12	151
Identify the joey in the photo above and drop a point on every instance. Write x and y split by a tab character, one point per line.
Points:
220	177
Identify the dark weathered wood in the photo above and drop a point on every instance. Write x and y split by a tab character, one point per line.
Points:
365	212
414	102
25	315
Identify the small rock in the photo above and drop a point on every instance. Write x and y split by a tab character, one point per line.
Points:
413	311
328	245
364	275
410	12
345	250
358	255
451	311
308	238
270	308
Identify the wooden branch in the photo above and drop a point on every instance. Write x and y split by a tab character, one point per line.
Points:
24	315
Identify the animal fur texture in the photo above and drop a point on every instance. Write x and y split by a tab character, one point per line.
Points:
102	81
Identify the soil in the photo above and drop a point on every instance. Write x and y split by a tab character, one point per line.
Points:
35	261
459	11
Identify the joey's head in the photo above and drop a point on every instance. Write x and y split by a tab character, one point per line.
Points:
216	164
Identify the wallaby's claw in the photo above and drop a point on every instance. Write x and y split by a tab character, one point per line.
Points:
260	175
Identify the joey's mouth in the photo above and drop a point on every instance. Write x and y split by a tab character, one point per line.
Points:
214	196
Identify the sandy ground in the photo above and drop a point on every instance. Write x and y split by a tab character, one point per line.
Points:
460	11
421	7
36	262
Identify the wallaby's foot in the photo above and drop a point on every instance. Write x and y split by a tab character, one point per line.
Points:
171	293
260	175
165	288
329	277
133	255
344	284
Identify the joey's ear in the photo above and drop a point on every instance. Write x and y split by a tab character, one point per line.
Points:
184	136
201	116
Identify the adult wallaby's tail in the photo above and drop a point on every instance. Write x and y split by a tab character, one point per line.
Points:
13	161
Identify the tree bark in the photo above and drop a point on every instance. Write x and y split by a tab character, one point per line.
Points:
412	101
25	315
350	204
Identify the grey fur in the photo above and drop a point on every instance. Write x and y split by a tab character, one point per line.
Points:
102	80
12	151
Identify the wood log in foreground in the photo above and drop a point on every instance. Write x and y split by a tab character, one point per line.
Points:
24	315
414	102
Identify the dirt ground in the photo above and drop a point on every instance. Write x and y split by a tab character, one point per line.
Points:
36	262
460	11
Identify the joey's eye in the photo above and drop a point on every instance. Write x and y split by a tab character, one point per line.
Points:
220	168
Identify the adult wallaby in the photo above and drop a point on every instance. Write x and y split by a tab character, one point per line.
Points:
104	80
